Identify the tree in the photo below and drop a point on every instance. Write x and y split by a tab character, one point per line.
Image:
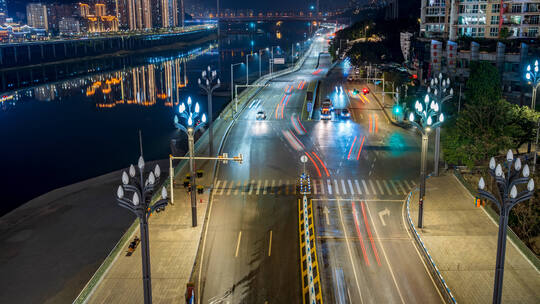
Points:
522	125
484	84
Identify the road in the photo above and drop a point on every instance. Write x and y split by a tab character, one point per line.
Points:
361	168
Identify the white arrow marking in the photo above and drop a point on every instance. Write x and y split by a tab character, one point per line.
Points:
325	211
382	214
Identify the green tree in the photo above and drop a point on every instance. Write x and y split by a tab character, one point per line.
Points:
483	85
522	125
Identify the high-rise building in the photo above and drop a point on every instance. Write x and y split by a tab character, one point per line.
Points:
84	10
101	10
139	14
3	11
36	16
168	13
69	26
449	19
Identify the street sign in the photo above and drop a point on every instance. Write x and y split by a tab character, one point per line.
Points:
303	159
279	60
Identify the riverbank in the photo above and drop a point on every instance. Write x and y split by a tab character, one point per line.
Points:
48	245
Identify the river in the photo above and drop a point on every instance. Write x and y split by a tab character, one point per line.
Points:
58	133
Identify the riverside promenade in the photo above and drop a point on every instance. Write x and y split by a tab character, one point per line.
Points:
462	242
173	242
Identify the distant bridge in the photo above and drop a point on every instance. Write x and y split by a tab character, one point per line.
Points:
267	17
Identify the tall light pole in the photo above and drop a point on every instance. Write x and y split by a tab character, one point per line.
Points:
430	117
232	78
247	68
507	186
142	189
190	115
208	85
533	79
438	90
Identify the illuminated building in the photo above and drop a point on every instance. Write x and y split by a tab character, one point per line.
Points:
98	24
101	10
449	19
36	16
3	11
69	26
84	10
169	13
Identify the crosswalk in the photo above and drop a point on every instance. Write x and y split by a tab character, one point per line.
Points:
342	187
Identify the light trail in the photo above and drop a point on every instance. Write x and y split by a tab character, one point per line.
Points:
350	150
315	164
370	235
360	150
322	163
357	226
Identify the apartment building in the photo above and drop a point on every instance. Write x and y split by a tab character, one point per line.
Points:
496	19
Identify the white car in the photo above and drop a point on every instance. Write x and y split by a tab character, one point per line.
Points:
260	115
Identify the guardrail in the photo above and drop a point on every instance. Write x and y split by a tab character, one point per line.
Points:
431	265
311	284
89	288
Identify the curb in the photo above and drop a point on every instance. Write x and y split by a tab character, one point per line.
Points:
449	297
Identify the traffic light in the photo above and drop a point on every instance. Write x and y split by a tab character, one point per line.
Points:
397	109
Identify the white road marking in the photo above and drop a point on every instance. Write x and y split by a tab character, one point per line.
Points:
322	186
343	186
328	183
217	185
365	187
384	255
386	186
372	187
350	186
379	186
251	186
401	187
336	187
258	187
280	186
349	251
265	187
357	186
270	244
407	183
272	189
223	187
238	187
394	186
238	243
231	185
246	183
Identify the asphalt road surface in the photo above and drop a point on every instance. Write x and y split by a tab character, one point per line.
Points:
361	169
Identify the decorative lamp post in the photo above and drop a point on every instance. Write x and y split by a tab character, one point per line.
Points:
507	186
430	117
208	85
140	204
533	79
190	114
438	90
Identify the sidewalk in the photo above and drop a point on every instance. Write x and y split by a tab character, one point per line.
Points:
462	241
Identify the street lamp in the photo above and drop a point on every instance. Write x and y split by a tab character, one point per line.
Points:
190	114
232	78
140	205
438	89
533	79
507	190
428	112
208	86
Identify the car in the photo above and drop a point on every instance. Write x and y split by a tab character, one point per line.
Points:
365	91
260	115
350	78
345	113
327	103
326	114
